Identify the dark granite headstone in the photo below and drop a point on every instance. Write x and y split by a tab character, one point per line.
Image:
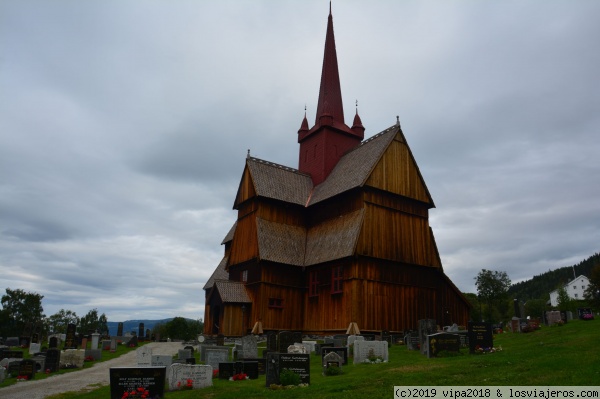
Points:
442	342
12	341
70	340
426	327
190	348
120	329
141	330
480	335
190	360
53	342
147	334
272	341
369	337
226	370
319	348
127	379
27	369
250	369
342	351
11	354
298	363
220	340
284	340
262	364
35	338
132	342
52	360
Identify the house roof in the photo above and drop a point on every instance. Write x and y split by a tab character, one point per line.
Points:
219	274
229	235
232	291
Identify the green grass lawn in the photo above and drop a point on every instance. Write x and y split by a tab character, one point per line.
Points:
554	356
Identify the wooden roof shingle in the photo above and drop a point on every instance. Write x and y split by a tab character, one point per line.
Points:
232	291
219	274
279	182
281	243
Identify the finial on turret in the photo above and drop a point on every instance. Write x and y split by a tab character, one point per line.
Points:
397	120
248	155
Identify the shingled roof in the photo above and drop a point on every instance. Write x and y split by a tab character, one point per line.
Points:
281	243
279	182
219	274
232	291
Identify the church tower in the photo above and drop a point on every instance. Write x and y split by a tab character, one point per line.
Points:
322	146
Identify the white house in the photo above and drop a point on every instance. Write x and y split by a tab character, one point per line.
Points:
575	290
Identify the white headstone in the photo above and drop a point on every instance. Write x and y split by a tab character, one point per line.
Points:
353	338
216	356
34	348
144	356
72	357
309	345
200	374
296	348
362	349
162	361
95	340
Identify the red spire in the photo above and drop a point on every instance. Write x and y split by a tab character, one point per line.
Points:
330	94
304	125
357	125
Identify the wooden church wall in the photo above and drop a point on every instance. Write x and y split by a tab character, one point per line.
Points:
279	212
397	172
246	188
393	235
244	245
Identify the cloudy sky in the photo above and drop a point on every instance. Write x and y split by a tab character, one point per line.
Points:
124	127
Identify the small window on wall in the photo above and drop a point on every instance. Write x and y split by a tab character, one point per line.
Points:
245	276
276	303
336	280
313	284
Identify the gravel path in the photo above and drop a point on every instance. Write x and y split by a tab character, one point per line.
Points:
83	380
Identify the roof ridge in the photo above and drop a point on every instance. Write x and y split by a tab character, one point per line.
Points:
389	129
279	166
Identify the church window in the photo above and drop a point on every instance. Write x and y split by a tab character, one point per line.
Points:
336	280
313	283
276	303
245	276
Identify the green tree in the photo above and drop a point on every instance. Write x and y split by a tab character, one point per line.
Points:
89	322
20	308
476	306
57	323
592	292
492	289
535	307
564	302
103	324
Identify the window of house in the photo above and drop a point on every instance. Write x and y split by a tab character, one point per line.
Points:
313	283
245	276
276	303
575	295
336	280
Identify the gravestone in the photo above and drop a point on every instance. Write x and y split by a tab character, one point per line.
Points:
84	342
200	374
442	342
226	370
141	330
272	341
27	368
183	354
127	379
352	338
319	348
120	329
53	342
331	359
70	340
72	358
310	345
113	344
95	354
203	349
2	374
249	347
276	362
216	356
190	360
144	356
12	341
363	349
95	340
426	327
34	348
480	335
220	340
133	341
412	341
40	363
12	354
297	348
35	338
147	334
250	368
190	348
52	360
368	337
261	364
161	360
341	351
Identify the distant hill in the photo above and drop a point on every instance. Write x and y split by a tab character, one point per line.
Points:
133	325
539	287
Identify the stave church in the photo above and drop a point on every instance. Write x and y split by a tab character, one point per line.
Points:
342	243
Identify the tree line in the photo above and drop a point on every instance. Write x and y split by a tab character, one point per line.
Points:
23	311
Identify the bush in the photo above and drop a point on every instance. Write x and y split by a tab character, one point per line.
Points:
288	377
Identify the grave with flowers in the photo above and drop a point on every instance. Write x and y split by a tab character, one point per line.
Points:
137	382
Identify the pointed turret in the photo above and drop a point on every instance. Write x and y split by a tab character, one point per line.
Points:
323	145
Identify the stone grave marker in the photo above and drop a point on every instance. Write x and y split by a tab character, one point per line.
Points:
113	344
183	354
250	368
426	327
141	330
200	374
262	364
12	354
342	352
34	348
53	342
127	379
190	360
297	348
216	356
331	359
272	341
35	338
480	335
249	347
203	349
442	342
72	358
40	363
298	363
52	360
284	340
363	349
226	370
2	374
161	361
27	368
310	345
220	340
352	338
96	354
84	342
70	340
95	340
319	348
144	356
120	329
12	341
190	348
412	341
